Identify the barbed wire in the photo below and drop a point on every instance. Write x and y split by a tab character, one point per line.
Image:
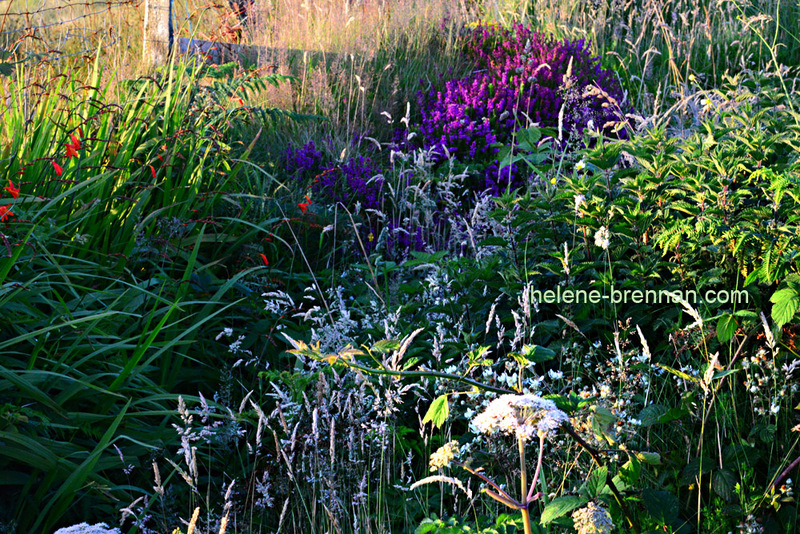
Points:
35	29
53	30
67	5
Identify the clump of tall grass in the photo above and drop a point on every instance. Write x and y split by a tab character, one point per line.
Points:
116	225
655	46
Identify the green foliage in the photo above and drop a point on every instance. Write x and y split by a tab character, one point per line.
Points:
503	524
438	412
560	507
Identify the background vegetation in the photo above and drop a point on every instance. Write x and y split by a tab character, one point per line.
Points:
241	288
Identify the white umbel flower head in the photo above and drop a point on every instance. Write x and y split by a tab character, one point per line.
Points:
594	519
602	238
86	528
523	415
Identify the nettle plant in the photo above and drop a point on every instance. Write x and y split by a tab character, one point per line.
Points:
719	204
521	78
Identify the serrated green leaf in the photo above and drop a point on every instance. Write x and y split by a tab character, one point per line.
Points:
631	471
537	354
560	507
649	458
673	414
650	415
724	482
725	373
438	412
410	362
785	303
726	327
663	506
596	482
386	345
603	424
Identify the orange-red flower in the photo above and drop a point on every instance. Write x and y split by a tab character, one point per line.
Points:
72	149
59	169
5	213
304	205
264	259
13	191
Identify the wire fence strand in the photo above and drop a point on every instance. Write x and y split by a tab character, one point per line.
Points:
47	30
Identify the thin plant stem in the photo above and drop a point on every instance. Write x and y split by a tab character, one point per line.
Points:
531	496
526	518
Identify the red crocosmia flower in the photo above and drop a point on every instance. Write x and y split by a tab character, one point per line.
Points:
76	143
5	213
72	151
152	171
13	191
304	205
264	259
59	169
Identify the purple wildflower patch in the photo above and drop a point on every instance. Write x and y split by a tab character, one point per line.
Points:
358	179
521	76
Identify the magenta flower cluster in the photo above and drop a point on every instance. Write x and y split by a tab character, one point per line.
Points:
520	76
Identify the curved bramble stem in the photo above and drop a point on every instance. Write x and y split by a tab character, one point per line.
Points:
347	361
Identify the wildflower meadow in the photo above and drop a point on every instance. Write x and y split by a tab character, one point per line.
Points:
404	266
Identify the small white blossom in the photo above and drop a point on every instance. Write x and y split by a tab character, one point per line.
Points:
580	200
602	238
555	375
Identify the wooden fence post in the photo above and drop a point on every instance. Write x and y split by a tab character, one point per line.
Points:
157	32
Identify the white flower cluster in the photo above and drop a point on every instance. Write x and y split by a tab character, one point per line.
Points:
602	238
523	415
594	519
86	528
